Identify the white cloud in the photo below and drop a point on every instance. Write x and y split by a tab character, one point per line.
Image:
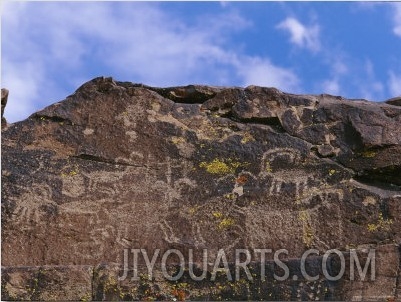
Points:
338	70
331	86
24	82
257	71
339	67
394	84
397	18
369	87
394	7
301	35
134	41
353	78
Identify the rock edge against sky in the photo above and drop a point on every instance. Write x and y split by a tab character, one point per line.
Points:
120	166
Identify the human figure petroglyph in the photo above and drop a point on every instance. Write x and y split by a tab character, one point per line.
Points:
31	204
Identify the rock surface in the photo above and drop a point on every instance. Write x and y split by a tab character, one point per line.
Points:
394	101
4	98
119	166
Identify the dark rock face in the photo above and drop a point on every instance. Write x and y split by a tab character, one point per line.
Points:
4	98
120	166
394	101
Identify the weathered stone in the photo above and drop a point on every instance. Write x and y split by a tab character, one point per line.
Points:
107	285
381	286
394	101
47	283
120	166
4	98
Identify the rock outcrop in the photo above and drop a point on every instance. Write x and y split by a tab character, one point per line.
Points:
394	101
4	98
117	167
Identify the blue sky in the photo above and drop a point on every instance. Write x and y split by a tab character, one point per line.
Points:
48	49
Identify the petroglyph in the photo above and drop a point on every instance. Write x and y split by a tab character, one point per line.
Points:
169	233
130	116
109	185
173	188
284	166
88	131
121	207
369	200
280	167
324	193
29	206
185	148
236	168
265	227
132	135
73	186
288	172
99	183
268	226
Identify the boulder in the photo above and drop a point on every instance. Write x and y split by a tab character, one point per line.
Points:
119	169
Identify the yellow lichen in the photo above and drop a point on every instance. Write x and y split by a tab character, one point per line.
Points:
268	167
247	138
111	285
230	196
218	166
350	246
226	222
332	172
192	210
223	222
217	214
87	297
307	231
369	154
72	172
381	225
177	140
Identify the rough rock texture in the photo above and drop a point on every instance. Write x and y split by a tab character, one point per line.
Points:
394	101
4	97
119	165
